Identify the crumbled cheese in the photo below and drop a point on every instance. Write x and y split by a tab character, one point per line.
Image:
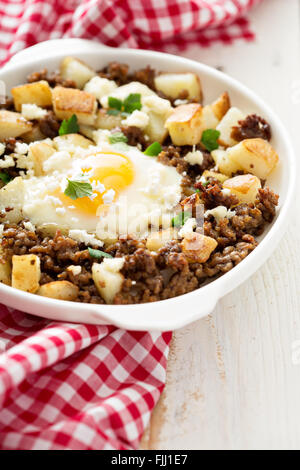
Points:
32	111
188	227
179	102
82	236
109	196
101	136
60	210
2	148
99	87
156	104
58	160
137	119
113	265
55	201
219	213
7	162
75	270
226	191
99	187
1	230
21	148
29	226
194	158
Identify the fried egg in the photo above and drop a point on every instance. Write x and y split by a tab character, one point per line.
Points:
129	191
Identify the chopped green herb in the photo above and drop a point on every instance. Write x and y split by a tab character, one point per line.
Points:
153	150
78	189
180	219
210	139
5	177
126	107
98	254
197	190
69	126
113	112
115	103
117	137
132	102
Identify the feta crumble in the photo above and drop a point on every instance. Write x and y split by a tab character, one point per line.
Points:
194	158
99	87
109	196
32	111
188	227
220	212
137	119
58	160
82	236
75	270
7	162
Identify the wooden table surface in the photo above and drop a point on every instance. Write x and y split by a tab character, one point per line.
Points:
233	379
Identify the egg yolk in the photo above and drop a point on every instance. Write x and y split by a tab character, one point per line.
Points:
112	170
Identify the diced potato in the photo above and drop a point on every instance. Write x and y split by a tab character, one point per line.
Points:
33	135
5	269
155	128
38	93
26	272
87	131
254	155
197	247
213	174
69	101
61	290
107	121
158	239
71	141
185	124
221	105
171	84
225	164
12	196
76	70
225	126
13	124
245	187
39	153
209	118
107	278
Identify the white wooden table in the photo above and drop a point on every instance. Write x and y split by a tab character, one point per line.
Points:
233	379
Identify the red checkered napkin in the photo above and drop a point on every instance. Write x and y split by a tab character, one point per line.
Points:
65	386
148	24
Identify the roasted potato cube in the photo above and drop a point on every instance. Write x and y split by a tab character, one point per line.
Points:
107	278
107	121
61	290
158	239
185	124
5	269
12	196
155	129
38	93
69	101
245	187
26	272
197	247
171	84
225	164
221	105
76	70
69	142
39	153
209	118
213	174
13	124
33	135
254	155
230	119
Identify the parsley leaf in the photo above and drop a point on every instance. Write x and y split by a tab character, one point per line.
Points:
210	139
117	137
132	102
180	219
98	254
69	126
125	107
115	103
153	150
78	189
5	177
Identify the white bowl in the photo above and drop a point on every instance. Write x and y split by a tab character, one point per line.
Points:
179	311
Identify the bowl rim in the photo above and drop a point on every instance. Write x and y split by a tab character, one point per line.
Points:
215	289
